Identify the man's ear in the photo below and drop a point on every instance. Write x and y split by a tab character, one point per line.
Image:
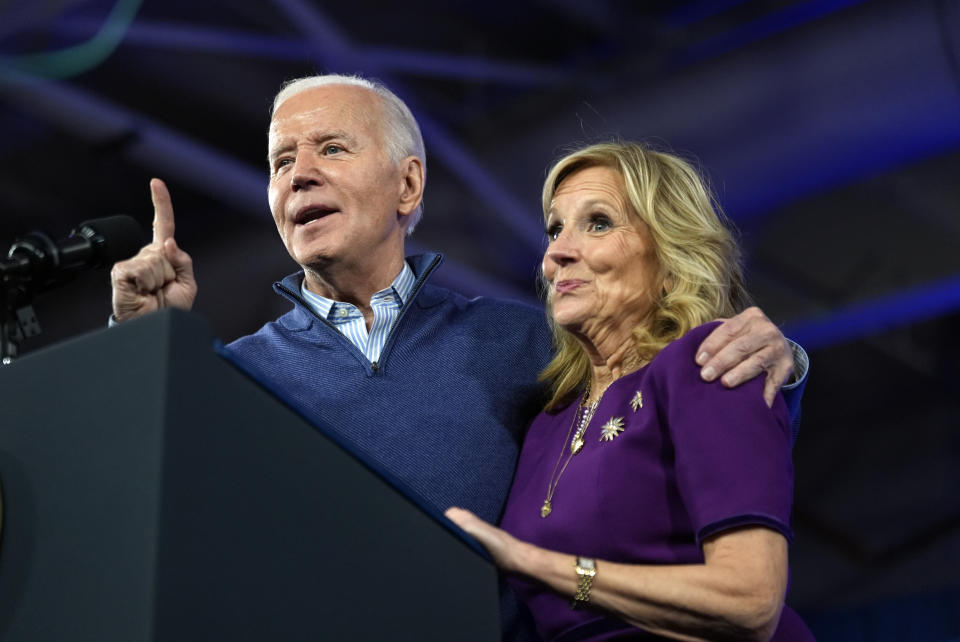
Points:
411	185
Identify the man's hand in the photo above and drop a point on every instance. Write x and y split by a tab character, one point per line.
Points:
161	274
743	347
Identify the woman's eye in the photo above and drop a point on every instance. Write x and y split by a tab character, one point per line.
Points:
600	224
554	231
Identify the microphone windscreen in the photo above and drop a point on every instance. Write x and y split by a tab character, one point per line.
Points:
115	237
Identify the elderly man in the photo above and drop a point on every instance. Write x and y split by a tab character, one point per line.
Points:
433	388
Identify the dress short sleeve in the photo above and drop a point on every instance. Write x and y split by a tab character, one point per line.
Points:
732	453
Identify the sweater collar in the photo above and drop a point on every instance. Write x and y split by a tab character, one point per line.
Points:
423	266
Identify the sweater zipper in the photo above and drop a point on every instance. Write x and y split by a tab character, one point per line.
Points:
391	335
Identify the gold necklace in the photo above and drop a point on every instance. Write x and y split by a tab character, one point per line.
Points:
585	415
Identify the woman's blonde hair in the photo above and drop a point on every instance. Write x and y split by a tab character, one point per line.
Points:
698	256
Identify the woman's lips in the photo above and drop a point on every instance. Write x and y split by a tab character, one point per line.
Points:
568	285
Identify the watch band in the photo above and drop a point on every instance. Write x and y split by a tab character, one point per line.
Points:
586	568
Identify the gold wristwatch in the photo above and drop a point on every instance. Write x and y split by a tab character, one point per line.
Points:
586	569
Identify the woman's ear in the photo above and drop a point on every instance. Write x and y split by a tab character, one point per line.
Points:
666	285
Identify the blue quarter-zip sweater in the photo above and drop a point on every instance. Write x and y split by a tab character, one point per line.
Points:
444	409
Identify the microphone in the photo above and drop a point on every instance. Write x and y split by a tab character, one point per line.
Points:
37	262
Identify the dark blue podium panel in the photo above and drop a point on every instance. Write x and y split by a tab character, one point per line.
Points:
151	491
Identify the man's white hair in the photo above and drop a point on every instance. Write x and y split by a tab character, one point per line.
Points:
402	133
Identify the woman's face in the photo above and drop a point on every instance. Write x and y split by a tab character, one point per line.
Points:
600	262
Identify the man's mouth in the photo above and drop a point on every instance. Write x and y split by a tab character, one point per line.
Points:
312	213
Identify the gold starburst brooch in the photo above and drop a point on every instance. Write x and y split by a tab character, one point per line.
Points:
637	402
611	429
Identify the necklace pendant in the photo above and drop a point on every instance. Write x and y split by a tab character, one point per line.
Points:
576	445
546	509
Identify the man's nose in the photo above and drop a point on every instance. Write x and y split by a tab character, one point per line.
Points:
305	172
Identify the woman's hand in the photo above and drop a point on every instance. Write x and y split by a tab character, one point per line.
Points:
505	549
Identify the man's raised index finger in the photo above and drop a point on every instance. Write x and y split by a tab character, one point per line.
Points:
162	211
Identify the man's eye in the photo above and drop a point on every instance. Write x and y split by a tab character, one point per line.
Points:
282	162
333	148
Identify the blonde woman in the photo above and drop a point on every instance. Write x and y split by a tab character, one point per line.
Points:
647	502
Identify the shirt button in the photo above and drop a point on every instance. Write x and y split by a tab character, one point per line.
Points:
342	312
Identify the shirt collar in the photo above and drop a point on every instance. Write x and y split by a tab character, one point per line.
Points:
401	288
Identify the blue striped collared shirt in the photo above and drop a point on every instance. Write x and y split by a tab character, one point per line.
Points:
348	319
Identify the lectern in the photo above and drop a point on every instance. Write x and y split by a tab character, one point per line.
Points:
152	491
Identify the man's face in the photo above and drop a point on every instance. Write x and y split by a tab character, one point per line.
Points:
335	195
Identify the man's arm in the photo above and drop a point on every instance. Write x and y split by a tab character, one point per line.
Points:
161	274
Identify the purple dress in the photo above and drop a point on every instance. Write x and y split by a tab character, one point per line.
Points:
692	459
